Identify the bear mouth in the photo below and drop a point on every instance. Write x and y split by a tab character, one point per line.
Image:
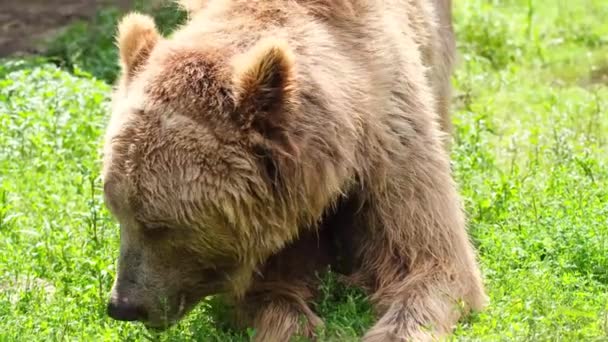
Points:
168	322
158	327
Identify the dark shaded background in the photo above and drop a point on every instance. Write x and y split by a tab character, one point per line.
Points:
26	24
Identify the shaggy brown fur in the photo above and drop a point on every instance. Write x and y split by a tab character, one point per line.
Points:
266	140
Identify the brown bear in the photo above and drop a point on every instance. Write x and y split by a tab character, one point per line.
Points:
266	140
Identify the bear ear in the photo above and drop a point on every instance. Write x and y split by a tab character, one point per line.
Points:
137	36
264	81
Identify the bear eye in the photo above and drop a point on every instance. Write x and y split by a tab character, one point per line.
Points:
155	231
268	165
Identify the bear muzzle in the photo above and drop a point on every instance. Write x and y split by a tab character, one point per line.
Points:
123	310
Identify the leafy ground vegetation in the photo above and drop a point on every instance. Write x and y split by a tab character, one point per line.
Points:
531	158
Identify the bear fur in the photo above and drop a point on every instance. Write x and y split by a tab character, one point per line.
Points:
265	141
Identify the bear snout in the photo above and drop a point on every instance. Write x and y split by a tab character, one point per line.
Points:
123	310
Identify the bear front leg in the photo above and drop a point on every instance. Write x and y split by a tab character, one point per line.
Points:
279	317
277	303
418	253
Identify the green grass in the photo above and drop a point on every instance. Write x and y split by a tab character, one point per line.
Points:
92	47
531	116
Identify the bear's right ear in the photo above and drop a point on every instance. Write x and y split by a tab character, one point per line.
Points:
137	36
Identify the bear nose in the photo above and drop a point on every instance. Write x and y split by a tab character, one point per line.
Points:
122	310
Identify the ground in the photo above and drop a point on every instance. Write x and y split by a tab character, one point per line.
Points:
25	28
531	159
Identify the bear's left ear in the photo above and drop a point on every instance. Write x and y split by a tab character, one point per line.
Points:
264	82
137	36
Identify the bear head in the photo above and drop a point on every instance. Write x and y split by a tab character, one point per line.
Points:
194	165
